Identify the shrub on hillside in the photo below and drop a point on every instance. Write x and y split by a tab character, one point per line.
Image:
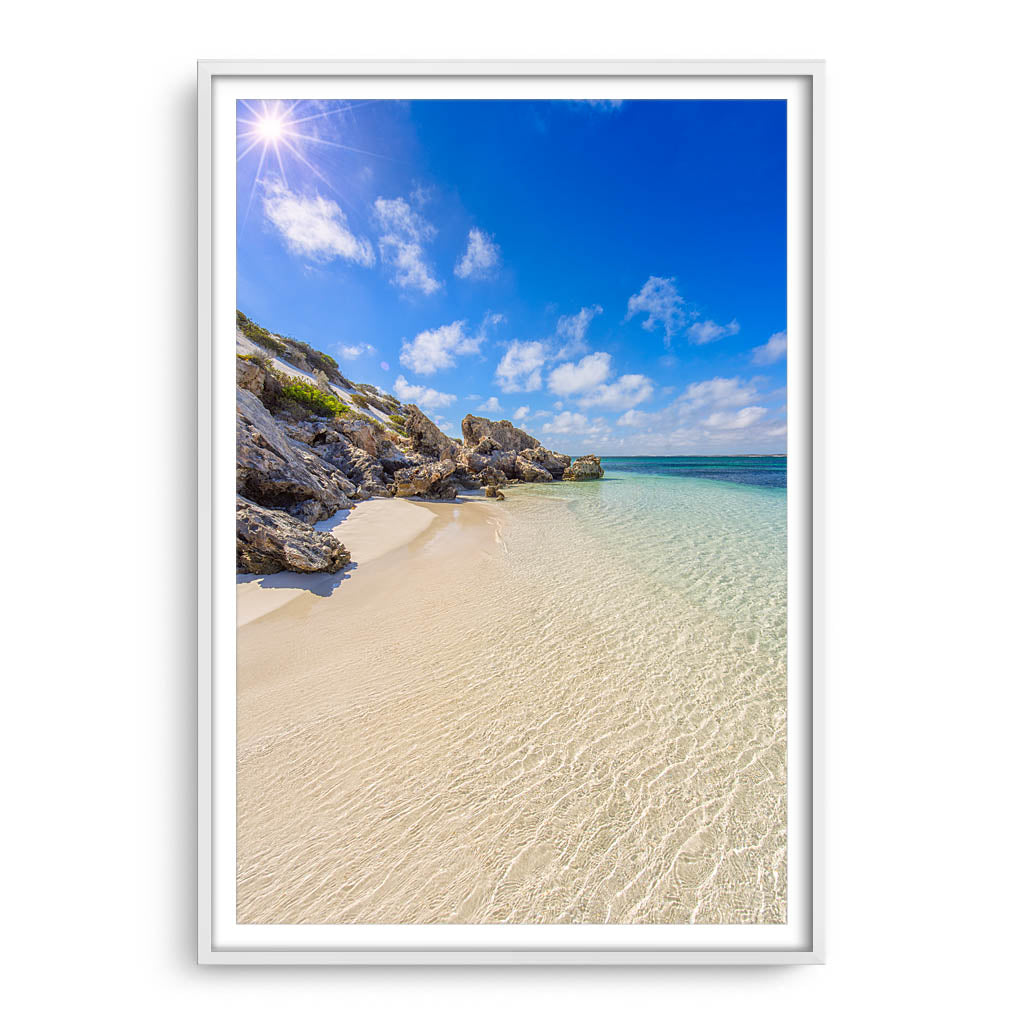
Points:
310	397
259	335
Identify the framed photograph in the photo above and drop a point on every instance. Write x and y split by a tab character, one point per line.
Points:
507	485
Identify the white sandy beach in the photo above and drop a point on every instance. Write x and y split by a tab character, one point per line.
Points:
488	719
371	529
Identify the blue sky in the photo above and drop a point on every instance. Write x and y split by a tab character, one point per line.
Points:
609	275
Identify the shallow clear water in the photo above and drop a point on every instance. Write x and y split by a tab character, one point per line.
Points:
581	720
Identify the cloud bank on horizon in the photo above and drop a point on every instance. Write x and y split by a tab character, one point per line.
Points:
613	274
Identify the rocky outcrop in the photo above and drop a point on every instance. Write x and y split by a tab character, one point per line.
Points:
505	435
268	541
425	436
276	472
296	467
586	467
554	463
531	472
432	480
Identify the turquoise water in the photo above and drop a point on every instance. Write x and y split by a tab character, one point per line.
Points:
664	587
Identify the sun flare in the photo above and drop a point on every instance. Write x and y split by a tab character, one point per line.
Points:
269	128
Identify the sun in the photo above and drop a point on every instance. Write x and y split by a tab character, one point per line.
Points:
269	128
277	133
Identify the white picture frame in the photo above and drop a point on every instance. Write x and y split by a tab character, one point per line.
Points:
561	944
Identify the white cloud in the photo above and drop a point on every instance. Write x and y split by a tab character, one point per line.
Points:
481	257
569	423
587	374
717	415
601	104
573	331
738	419
491	405
435	350
404	232
314	227
355	351
720	392
521	413
662	303
629	390
428	398
771	351
708	330
520	366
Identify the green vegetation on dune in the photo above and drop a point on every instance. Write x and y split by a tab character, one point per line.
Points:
259	335
309	396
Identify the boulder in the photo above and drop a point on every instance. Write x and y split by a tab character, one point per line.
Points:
269	542
553	462
362	434
492	492
507	436
250	375
359	467
425	436
531	472
586	467
432	480
277	472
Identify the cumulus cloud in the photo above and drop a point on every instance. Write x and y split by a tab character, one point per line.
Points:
708	330
481	257
771	351
520	366
355	351
738	419
428	398
521	413
721	392
721	414
570	423
663	305
435	350
313	226
572	330
587	374
404	233
491	405
629	390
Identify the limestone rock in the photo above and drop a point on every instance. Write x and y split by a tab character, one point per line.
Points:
553	462
250	375
269	542
507	436
432	480
276	472
531	472
586	467
492	491
424	435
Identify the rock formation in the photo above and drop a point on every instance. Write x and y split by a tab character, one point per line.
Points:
586	467
268	542
304	451
502	432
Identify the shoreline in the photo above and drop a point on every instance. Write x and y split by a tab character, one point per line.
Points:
370	531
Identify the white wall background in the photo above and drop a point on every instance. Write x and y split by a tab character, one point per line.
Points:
923	399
